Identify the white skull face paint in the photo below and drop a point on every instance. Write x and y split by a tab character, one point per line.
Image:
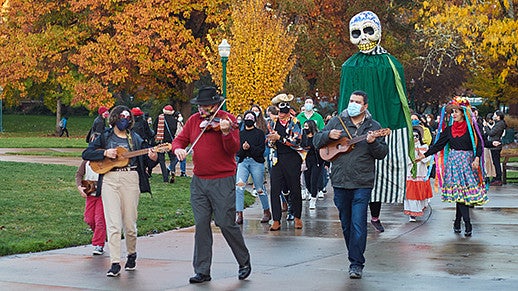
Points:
365	31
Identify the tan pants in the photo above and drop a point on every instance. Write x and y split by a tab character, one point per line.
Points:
120	194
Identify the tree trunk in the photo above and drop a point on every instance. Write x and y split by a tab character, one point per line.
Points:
58	117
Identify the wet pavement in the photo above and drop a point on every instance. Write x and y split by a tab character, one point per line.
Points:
422	255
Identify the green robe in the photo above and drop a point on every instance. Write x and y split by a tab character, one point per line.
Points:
381	76
374	75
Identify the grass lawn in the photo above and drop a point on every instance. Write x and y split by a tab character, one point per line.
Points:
40	207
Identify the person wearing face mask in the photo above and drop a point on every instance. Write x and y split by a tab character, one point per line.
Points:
214	137
165	129
284	141
308	113
458	164
353	173
494	136
314	162
251	163
121	186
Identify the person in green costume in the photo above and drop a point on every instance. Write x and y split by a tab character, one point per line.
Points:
381	76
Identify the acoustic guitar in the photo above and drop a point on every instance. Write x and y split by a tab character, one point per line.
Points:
122	159
331	151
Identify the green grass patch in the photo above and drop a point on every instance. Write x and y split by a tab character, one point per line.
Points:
41	209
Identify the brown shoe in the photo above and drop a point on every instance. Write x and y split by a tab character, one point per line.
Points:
275	226
266	216
298	223
284	206
239	218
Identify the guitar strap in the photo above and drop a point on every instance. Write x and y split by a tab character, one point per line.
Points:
345	127
130	141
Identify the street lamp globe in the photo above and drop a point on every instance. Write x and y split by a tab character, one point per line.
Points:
224	49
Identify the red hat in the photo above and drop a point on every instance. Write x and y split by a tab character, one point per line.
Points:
136	111
168	109
102	109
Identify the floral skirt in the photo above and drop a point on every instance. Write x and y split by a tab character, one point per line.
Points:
462	183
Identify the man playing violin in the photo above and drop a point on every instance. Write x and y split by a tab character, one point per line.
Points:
213	187
352	173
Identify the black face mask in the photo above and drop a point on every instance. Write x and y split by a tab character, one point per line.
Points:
249	123
284	109
306	131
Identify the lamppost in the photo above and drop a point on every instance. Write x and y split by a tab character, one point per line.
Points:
224	52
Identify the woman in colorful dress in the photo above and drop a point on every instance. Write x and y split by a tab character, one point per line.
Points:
418	188
459	166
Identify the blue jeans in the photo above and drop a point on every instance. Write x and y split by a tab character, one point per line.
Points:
352	207
244	169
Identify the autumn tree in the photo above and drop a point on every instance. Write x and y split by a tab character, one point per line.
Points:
89	52
261	56
484	43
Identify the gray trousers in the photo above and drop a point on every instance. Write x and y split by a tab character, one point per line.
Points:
218	197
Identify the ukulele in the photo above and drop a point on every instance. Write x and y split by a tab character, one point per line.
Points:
330	151
122	159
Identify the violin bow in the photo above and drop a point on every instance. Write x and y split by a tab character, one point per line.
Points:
206	126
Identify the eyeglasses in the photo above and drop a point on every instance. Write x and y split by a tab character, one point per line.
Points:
283	105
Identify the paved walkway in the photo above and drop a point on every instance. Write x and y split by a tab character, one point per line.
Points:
425	255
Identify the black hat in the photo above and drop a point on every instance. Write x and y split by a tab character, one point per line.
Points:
207	96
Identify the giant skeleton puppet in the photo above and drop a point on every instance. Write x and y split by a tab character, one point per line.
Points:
381	76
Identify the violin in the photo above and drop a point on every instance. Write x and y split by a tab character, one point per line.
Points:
214	124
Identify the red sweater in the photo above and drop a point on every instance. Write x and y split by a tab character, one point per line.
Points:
214	155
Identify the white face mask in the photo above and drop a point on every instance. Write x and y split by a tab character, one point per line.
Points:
354	109
180	118
308	106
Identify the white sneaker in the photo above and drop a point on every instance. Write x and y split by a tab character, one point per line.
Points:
411	219
320	194
304	194
98	250
312	203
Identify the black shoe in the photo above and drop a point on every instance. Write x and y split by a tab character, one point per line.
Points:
183	174
199	278
130	263
469	228
244	271
172	178
377	225
114	271
355	272
456	226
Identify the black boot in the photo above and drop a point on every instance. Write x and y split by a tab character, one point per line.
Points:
456	226
469	228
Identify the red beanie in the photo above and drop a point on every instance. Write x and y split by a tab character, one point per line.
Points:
102	109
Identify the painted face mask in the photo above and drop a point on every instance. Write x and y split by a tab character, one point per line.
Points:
365	31
354	109
205	113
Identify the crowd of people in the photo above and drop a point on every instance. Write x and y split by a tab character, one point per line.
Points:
452	149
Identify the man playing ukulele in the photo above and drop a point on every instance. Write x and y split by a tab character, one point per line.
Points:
352	173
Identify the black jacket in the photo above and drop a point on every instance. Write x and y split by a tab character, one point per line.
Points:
355	169
92	153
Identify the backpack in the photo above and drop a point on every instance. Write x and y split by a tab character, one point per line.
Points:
61	123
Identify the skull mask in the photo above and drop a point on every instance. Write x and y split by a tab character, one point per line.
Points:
365	31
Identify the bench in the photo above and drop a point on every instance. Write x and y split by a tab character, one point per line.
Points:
508	151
